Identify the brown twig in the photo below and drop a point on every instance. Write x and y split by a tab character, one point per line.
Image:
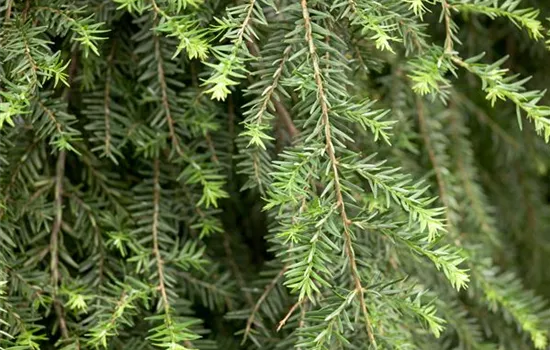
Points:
8	10
154	229
58	205
54	241
289	313
51	116
61	316
26	10
211	147
240	34
284	115
156	250
264	295
164	97
302	315
448	30
280	109
334	164
27	51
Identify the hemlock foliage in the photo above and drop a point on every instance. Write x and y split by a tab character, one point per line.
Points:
348	174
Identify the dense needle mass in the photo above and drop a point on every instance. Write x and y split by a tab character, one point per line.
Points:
312	174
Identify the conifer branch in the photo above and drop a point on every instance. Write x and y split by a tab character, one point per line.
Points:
289	313
58	221
26	9
154	230
264	206
211	148
9	4
268	97
521	17
446	8
60	312
58	205
258	304
54	241
282	111
248	17
334	165
431	154
52	117
121	304
498	86
30	59
170	334
284	115
164	96
231	65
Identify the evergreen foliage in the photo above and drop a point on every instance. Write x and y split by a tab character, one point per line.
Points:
312	174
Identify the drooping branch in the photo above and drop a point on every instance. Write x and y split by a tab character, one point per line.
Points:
164	96
280	109
155	232
58	207
334	166
54	240
169	322
258	304
433	160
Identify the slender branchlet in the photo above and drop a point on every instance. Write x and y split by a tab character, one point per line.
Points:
334	165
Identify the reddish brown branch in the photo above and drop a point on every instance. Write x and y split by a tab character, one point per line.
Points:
334	165
264	295
289	313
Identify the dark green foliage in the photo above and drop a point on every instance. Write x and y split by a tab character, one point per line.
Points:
312	174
